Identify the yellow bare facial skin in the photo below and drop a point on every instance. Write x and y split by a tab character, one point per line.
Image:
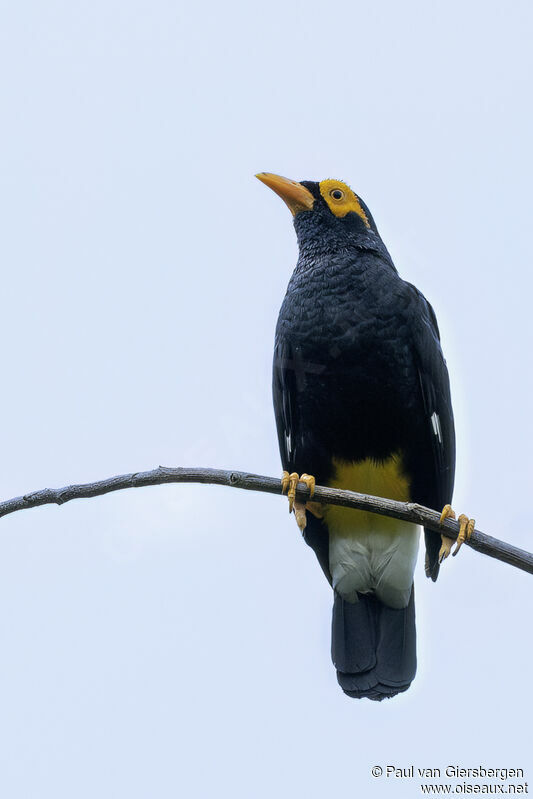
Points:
341	199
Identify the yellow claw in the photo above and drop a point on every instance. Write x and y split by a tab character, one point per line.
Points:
293	483
300	512
310	482
447	513
465	531
300	515
289	484
316	508
466	528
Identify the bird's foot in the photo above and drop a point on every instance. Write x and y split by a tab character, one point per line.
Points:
466	528
300	512
289	483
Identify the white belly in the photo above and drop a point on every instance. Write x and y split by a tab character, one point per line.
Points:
369	553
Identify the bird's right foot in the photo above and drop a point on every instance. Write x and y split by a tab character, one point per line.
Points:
289	483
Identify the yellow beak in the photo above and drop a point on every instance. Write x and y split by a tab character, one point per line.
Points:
296	196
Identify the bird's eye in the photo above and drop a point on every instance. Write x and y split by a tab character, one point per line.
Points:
337	194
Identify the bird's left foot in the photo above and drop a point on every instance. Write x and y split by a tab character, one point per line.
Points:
289	483
466	528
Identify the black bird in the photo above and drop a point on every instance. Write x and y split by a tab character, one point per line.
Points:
362	402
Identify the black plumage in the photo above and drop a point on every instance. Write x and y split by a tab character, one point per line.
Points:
359	376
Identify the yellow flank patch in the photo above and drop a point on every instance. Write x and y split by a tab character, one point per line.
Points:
379	478
341	199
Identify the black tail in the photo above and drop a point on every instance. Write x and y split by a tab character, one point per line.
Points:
373	647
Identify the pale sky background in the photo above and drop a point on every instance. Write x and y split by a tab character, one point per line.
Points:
174	641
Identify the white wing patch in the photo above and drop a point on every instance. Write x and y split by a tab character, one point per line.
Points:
435	423
288	443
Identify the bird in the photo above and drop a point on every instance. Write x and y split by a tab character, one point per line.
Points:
362	402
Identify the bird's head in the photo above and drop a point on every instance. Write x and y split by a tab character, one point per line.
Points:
329	209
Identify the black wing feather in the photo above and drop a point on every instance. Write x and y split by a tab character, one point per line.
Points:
436	469
296	445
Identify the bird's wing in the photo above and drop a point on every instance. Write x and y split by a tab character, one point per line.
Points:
285	407
297	446
435	468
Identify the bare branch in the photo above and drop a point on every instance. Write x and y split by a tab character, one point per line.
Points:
407	511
